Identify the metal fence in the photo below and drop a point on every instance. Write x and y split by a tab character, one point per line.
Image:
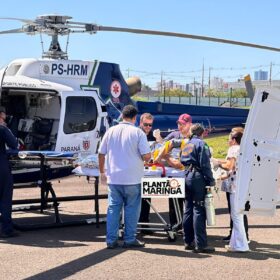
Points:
205	101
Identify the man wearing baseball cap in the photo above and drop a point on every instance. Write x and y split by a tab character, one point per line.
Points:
195	157
184	123
6	180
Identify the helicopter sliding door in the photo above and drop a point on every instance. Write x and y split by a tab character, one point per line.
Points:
81	120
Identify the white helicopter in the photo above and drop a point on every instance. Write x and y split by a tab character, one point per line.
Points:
64	106
58	105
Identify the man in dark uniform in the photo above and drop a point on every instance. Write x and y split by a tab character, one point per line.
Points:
6	180
146	124
195	156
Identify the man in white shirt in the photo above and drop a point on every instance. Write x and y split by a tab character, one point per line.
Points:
126	148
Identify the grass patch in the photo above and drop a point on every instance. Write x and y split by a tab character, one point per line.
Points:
219	144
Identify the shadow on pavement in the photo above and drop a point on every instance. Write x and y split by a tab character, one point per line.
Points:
59	237
78	236
259	251
175	253
75	266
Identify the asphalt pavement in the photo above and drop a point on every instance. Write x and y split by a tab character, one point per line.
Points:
79	252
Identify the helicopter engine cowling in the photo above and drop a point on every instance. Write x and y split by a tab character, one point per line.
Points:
134	85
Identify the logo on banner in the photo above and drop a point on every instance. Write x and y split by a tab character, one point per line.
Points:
116	89
86	144
163	187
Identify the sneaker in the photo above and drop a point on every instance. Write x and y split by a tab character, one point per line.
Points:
232	250
9	234
135	244
180	232
206	250
112	245
227	238
189	247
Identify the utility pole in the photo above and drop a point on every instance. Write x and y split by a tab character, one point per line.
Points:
127	72
194	91
209	79
202	79
270	73
161	82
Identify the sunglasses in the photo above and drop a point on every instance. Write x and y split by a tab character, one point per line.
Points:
148	124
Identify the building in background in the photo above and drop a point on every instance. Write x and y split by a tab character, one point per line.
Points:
217	83
169	85
260	75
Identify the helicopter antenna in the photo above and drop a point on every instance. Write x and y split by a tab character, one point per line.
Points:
67	43
42	42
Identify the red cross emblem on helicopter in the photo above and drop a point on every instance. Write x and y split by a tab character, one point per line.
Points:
116	89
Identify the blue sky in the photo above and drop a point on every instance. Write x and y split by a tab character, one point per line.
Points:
179	59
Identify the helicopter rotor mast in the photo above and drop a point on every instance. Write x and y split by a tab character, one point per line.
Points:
58	25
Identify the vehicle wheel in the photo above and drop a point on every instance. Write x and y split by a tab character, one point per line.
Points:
172	236
121	234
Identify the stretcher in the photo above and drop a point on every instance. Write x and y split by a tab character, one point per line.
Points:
151	171
42	163
159	171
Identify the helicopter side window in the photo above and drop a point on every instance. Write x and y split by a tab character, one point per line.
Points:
80	114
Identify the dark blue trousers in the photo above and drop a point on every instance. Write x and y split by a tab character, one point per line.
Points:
194	218
6	194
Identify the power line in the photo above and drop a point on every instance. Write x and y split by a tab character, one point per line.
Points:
212	68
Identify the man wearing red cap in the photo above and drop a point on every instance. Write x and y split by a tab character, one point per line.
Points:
184	123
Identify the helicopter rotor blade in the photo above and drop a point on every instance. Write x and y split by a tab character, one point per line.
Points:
11	31
183	35
28	21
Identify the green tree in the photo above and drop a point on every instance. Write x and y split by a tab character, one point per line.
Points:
216	93
240	92
175	92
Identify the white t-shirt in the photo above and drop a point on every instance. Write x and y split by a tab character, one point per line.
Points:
124	144
229	184
233	152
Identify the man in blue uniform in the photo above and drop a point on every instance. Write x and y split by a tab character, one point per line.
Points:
195	156
6	180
